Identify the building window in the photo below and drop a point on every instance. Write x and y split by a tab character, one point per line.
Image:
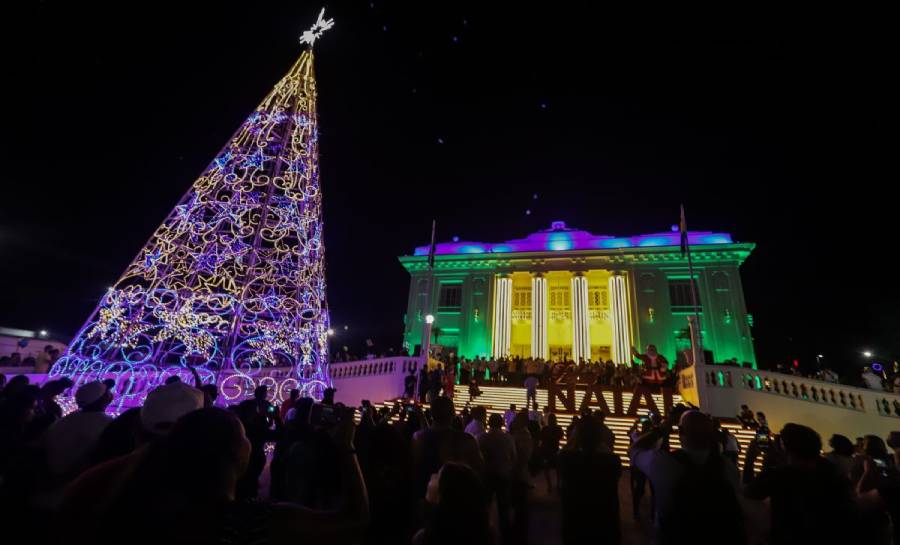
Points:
720	281
646	282
559	297
598	297
521	298
680	295
478	286
451	298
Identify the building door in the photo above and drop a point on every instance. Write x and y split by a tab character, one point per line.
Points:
560	352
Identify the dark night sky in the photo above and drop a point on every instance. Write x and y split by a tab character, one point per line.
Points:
773	132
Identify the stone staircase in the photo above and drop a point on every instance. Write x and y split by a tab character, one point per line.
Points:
497	399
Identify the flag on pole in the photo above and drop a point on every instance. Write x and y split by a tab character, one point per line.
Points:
684	233
431	247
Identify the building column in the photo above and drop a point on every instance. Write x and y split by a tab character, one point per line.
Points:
539	348
581	337
619	316
502	316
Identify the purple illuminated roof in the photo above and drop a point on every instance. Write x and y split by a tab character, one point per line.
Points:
561	238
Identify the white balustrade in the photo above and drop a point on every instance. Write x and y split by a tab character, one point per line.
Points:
825	406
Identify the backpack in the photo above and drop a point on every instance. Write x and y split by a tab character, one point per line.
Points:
705	507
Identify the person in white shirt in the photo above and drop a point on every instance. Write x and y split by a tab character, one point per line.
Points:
498	449
509	415
871	380
531	384
479	418
829	376
534	415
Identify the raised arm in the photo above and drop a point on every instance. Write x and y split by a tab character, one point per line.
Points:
198	382
650	439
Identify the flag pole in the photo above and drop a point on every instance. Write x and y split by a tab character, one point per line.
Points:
426	327
697	335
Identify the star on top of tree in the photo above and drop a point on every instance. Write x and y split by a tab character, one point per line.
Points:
321	25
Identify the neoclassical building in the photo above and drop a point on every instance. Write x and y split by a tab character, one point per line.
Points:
567	293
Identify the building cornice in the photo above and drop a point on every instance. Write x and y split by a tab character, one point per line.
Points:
580	259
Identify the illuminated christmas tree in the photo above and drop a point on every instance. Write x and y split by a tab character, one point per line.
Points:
233	281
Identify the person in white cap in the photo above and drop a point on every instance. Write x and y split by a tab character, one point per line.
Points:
167	404
71	440
94	490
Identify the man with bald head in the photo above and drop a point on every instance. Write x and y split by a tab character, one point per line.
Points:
694	486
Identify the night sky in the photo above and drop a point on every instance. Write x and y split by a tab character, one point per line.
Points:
774	132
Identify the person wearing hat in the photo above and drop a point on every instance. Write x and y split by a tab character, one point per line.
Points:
167	404
90	495
48	410
140	425
654	364
71	439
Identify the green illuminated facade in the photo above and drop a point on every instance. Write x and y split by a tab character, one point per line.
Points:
566	293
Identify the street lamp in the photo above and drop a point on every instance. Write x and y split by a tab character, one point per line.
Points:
43	333
867	353
330	332
426	338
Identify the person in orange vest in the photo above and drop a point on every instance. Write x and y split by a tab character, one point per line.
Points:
654	365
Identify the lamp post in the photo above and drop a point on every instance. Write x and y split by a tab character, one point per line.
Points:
426	337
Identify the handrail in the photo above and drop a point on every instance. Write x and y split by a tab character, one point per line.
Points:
376	366
801	388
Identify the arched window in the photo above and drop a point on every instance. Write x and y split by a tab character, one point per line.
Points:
647	282
720	281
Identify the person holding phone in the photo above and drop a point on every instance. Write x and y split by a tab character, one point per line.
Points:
874	449
694	486
263	406
878	491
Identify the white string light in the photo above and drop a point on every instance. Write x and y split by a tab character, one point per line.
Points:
321	25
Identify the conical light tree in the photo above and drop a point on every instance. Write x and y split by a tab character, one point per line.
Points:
233	281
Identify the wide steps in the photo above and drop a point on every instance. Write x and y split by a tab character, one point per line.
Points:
497	399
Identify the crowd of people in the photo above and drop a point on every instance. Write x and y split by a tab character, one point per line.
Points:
178	469
872	377
40	362
532	373
881	381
